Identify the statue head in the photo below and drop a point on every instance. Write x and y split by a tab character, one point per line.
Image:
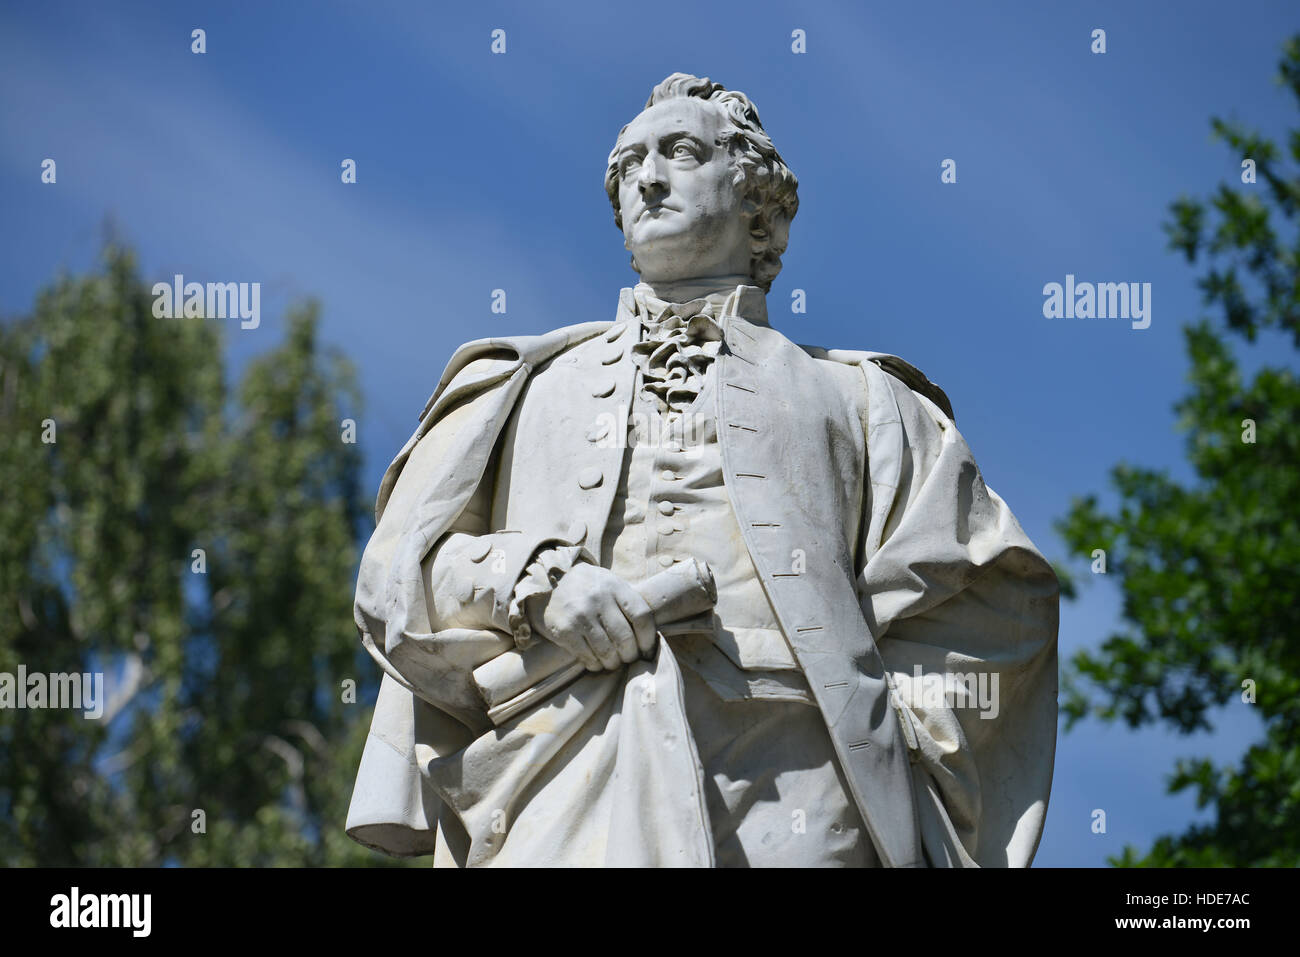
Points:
697	187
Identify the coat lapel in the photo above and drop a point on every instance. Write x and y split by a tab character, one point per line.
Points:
793	451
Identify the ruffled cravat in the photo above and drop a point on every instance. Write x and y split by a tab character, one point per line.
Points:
679	343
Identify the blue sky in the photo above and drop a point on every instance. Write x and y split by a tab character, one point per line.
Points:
479	171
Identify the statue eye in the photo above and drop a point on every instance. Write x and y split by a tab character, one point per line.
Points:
682	150
629	163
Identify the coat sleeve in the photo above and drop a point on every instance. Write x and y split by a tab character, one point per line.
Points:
475	578
427	703
964	609
438	479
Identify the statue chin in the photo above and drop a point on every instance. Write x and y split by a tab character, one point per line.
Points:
678	260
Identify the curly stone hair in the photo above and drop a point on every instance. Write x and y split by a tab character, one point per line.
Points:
770	187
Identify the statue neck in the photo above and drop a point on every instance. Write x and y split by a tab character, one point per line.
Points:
684	290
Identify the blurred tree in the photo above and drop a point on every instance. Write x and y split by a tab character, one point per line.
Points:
226	679
1208	571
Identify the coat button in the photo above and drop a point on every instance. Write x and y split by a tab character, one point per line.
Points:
604	389
667	475
612	357
590	477
665	560
615	331
599	432
577	533
479	549
666	508
666	528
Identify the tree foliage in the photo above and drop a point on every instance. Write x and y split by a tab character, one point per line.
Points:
225	666
1208	570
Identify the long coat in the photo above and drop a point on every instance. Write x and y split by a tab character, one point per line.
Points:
910	569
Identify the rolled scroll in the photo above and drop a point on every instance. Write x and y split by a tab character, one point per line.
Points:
515	680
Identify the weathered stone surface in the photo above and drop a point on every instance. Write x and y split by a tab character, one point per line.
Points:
673	590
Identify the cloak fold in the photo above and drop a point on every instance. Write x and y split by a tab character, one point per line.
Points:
949	584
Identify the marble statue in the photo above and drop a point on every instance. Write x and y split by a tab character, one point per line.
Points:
671	590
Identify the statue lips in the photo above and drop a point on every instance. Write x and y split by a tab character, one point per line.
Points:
655	207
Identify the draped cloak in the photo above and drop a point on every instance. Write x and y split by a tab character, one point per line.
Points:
918	572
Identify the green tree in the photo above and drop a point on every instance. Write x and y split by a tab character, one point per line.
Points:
227	662
1208	570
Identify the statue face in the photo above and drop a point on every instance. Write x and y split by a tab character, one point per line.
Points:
683	216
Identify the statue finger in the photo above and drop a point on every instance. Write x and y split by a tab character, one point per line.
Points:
602	646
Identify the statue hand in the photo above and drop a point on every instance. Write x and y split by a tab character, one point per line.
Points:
598	618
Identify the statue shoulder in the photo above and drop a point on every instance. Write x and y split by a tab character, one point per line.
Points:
496	357
903	371
533	350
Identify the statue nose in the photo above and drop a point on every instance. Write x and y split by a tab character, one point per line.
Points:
650	177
